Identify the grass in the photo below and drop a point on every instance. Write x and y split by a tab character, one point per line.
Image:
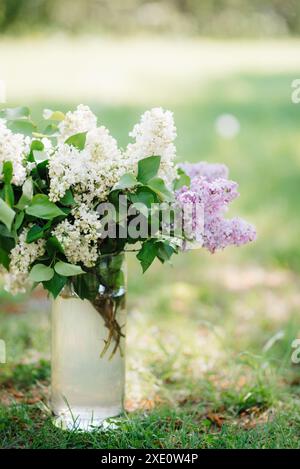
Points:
209	339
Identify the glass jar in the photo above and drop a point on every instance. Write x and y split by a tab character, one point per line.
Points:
88	346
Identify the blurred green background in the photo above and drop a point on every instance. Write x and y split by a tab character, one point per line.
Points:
209	339
205	17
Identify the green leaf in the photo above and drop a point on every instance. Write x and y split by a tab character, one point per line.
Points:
158	186
6	243
5	232
55	285
36	145
66	210
183	180
68	270
119	280
36	232
37	153
141	208
165	251
42	168
127	181
42	207
86	286
68	198
148	168
7	172
4	258
24	127
147	253
41	273
77	140
27	194
16	113
53	246
9	195
49	132
7	214
143	195
110	264
53	115
19	220
39	175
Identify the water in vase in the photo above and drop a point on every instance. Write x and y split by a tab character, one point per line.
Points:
87	388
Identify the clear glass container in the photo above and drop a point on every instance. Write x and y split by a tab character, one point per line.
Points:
88	347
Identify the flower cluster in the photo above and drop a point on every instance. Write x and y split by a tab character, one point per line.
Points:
213	192
80	120
21	258
92	171
13	147
155	135
209	171
79	238
220	233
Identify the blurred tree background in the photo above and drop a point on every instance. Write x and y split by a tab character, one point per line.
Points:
230	18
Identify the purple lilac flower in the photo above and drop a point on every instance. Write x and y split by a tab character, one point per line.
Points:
188	198
220	232
208	170
214	193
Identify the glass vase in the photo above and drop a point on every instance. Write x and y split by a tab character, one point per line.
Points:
88	346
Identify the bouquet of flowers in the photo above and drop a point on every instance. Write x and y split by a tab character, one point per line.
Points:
69	196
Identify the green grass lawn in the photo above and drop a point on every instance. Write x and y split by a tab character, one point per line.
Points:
209	338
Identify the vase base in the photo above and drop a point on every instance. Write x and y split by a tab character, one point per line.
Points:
87	421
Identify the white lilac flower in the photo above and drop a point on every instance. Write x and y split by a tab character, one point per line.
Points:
102	145
81	120
168	172
13	147
48	148
21	258
79	237
106	164
67	166
154	135
101	178
91	172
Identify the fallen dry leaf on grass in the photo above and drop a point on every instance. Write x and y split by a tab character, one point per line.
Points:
216	419
33	400
254	416
142	404
17	394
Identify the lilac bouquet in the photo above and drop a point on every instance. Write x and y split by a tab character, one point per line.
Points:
70	197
